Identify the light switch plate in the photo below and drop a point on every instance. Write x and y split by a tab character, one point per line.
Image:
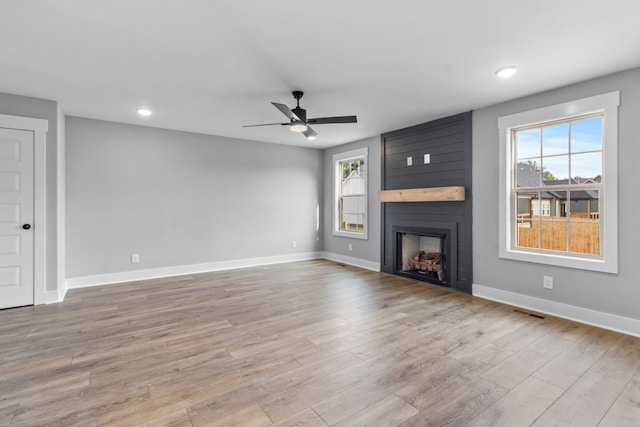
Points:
409	161
427	159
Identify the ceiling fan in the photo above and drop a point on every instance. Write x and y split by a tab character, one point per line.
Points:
298	121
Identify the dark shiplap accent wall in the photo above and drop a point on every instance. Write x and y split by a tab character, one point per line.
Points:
448	141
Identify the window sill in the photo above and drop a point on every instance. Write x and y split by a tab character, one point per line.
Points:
590	264
351	234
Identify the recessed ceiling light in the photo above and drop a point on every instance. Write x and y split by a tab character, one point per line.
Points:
505	72
144	112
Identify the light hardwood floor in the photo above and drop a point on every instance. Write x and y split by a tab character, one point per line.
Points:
311	344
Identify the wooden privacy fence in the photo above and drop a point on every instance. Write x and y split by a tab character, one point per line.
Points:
584	235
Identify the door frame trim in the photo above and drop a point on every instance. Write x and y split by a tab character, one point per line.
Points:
39	127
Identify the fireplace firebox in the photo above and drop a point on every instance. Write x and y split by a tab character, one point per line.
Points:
423	254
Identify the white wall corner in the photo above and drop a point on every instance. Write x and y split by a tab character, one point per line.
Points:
600	319
61	205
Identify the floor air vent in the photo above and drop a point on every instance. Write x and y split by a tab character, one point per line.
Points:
537	316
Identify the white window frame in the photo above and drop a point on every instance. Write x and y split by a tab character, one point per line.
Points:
337	173
608	105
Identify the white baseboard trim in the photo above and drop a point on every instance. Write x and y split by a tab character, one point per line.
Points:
600	319
52	297
180	270
62	292
357	262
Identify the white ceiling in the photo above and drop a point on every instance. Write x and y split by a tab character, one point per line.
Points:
211	66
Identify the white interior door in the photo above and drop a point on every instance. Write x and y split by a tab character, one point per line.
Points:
16	218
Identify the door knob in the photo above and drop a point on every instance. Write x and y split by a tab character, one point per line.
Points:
26	226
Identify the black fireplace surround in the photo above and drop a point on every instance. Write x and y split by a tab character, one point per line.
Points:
447	141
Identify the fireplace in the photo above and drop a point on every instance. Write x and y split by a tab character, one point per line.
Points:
423	254
426	191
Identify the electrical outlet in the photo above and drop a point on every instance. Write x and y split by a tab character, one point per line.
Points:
135	258
350	247
294	244
547	282
409	161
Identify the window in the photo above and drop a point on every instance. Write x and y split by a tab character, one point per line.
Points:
350	190
559	184
558	168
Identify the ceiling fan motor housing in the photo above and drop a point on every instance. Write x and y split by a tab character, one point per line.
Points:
301	113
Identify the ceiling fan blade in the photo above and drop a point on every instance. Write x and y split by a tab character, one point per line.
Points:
328	120
286	111
310	133
266	124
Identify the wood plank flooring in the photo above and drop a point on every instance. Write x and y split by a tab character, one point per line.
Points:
312	344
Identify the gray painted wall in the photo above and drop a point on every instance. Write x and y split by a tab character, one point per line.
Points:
362	249
23	106
616	294
180	198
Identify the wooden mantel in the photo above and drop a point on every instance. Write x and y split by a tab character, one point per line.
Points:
433	194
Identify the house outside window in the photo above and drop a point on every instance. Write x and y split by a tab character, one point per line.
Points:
350	193
559	184
559	163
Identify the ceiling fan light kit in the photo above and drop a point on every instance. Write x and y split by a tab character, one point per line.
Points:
298	127
298	118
